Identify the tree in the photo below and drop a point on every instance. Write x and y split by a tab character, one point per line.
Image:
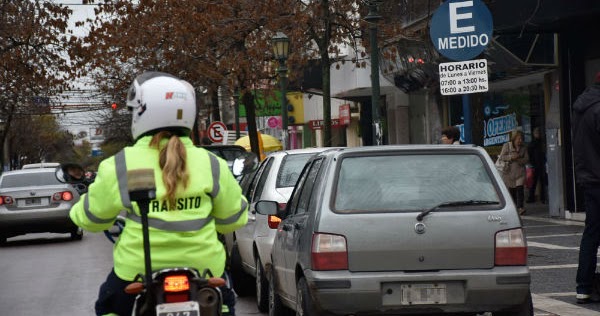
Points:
34	58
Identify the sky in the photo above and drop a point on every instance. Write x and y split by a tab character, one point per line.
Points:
78	120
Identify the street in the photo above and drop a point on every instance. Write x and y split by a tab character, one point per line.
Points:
48	274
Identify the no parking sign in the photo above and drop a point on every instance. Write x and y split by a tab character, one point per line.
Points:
216	131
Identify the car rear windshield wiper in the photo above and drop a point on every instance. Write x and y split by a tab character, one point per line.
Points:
454	203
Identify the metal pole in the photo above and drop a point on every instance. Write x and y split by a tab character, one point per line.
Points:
373	17
282	70
467	119
236	105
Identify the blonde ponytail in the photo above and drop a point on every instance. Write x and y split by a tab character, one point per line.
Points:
172	161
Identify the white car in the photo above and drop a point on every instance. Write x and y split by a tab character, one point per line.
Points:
250	246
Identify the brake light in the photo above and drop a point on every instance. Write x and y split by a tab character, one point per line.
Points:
273	221
511	248
176	287
329	252
65	196
6	200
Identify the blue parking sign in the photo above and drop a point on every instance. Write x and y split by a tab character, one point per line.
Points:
461	29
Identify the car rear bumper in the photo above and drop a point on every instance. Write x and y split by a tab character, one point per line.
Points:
14	223
500	288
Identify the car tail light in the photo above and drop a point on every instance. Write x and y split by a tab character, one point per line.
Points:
511	249
6	200
329	252
176	288
65	196
273	221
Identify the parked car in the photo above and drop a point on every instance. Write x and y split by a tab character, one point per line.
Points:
227	152
250	246
385	230
34	201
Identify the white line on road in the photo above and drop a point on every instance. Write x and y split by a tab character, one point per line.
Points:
556	307
549	246
556	235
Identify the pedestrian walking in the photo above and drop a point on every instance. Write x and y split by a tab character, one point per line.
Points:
537	158
586	148
515	153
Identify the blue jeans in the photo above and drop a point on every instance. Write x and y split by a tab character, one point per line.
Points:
588	250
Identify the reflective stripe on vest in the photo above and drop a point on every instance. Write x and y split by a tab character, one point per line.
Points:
180	226
91	216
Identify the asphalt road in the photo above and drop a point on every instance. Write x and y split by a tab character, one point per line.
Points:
48	274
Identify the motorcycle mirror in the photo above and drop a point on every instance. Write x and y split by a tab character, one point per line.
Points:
244	164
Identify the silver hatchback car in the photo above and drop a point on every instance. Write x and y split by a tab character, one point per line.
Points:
34	201
392	230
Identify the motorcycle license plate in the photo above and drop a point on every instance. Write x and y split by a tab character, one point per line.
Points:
423	293
189	308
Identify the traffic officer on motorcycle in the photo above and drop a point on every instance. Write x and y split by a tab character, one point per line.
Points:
197	195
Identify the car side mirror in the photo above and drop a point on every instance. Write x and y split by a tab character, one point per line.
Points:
244	164
267	207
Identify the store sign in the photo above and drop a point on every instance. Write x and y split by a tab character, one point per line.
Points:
460	30
463	77
345	114
318	124
497	130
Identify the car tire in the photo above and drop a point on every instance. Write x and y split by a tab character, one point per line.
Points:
77	234
525	309
262	287
304	302
276	307
243	284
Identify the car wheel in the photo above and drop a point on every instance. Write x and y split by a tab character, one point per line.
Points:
242	282
304	303
276	307
262	287
525	309
77	234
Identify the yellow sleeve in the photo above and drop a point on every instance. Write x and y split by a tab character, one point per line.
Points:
230	207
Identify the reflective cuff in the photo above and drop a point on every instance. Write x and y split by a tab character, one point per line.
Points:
233	218
92	217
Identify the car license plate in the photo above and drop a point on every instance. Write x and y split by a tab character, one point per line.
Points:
423	293
190	308
32	201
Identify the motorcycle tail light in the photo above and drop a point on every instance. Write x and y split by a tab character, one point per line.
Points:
176	283
329	252
511	249
177	297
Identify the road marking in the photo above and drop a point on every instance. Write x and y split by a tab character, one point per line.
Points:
556	266
549	246
556	235
560	308
562	222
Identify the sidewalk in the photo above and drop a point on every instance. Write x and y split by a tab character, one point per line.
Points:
541	210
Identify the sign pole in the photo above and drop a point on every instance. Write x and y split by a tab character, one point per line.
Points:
467	118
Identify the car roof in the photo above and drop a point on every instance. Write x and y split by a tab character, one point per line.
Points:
41	165
30	170
301	151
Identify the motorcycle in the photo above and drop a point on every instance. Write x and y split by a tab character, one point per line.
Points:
176	291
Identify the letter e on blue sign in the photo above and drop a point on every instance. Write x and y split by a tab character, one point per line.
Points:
461	29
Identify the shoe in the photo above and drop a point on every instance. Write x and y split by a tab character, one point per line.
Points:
521	211
587	298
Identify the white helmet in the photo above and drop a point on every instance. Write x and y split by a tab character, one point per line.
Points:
159	100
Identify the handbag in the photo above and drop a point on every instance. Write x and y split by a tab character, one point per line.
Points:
501	165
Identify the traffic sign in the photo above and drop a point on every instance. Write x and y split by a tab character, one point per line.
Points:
216	131
463	77
461	29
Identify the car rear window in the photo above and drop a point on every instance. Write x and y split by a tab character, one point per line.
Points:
28	179
411	182
290	169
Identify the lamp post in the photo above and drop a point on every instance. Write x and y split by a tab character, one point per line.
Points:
373	18
281	45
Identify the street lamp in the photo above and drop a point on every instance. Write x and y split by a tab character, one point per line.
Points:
373	18
281	49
